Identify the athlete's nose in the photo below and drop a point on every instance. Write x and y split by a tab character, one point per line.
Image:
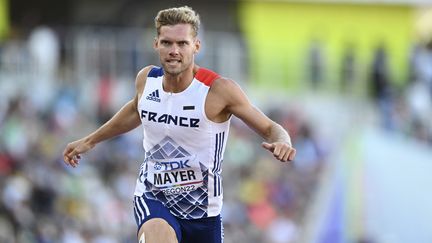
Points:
174	50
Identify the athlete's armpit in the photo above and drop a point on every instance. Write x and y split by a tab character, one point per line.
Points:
140	81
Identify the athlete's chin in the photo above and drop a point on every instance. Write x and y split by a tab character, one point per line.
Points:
172	70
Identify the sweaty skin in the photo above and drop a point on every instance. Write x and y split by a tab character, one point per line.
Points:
176	46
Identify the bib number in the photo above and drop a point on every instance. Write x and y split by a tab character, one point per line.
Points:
175	176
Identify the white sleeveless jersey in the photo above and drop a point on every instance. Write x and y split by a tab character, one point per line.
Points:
183	148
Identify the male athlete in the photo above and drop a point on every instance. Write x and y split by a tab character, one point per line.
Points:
185	113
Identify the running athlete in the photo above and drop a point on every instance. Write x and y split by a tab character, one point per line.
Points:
185	112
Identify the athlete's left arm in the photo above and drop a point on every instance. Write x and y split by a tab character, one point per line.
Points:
277	139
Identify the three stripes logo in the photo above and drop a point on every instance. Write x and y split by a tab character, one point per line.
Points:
154	96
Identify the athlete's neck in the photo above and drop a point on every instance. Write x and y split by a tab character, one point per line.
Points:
179	82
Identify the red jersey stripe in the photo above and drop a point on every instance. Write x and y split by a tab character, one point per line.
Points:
206	76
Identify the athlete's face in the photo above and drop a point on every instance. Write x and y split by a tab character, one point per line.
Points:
176	46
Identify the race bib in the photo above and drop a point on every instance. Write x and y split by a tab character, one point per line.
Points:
175	176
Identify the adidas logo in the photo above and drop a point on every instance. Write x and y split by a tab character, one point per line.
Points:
154	96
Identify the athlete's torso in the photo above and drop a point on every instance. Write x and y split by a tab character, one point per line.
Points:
183	148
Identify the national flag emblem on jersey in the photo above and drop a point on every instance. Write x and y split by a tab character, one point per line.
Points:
154	96
177	179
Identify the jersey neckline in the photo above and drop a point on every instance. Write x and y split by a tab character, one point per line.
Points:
203	75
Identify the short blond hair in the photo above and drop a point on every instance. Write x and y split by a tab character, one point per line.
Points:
180	15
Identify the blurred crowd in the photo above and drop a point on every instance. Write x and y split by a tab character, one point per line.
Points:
43	200
45	104
403	104
405	109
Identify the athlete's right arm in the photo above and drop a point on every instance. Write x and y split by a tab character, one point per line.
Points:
126	119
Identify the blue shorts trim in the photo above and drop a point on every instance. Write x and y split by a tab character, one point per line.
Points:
208	230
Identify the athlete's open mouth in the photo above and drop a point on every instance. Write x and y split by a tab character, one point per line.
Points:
172	61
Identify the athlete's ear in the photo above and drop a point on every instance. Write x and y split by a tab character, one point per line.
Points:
155	42
197	44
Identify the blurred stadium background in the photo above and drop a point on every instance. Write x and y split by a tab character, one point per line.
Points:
350	79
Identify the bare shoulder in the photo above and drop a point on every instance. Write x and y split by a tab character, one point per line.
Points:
225	98
141	78
224	87
228	91
218	100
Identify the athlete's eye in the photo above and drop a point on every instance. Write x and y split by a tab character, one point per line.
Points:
182	43
164	42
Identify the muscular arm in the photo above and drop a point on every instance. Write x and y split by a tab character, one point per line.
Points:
123	121
126	119
235	102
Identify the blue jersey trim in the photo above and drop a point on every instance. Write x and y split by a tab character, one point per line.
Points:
155	72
